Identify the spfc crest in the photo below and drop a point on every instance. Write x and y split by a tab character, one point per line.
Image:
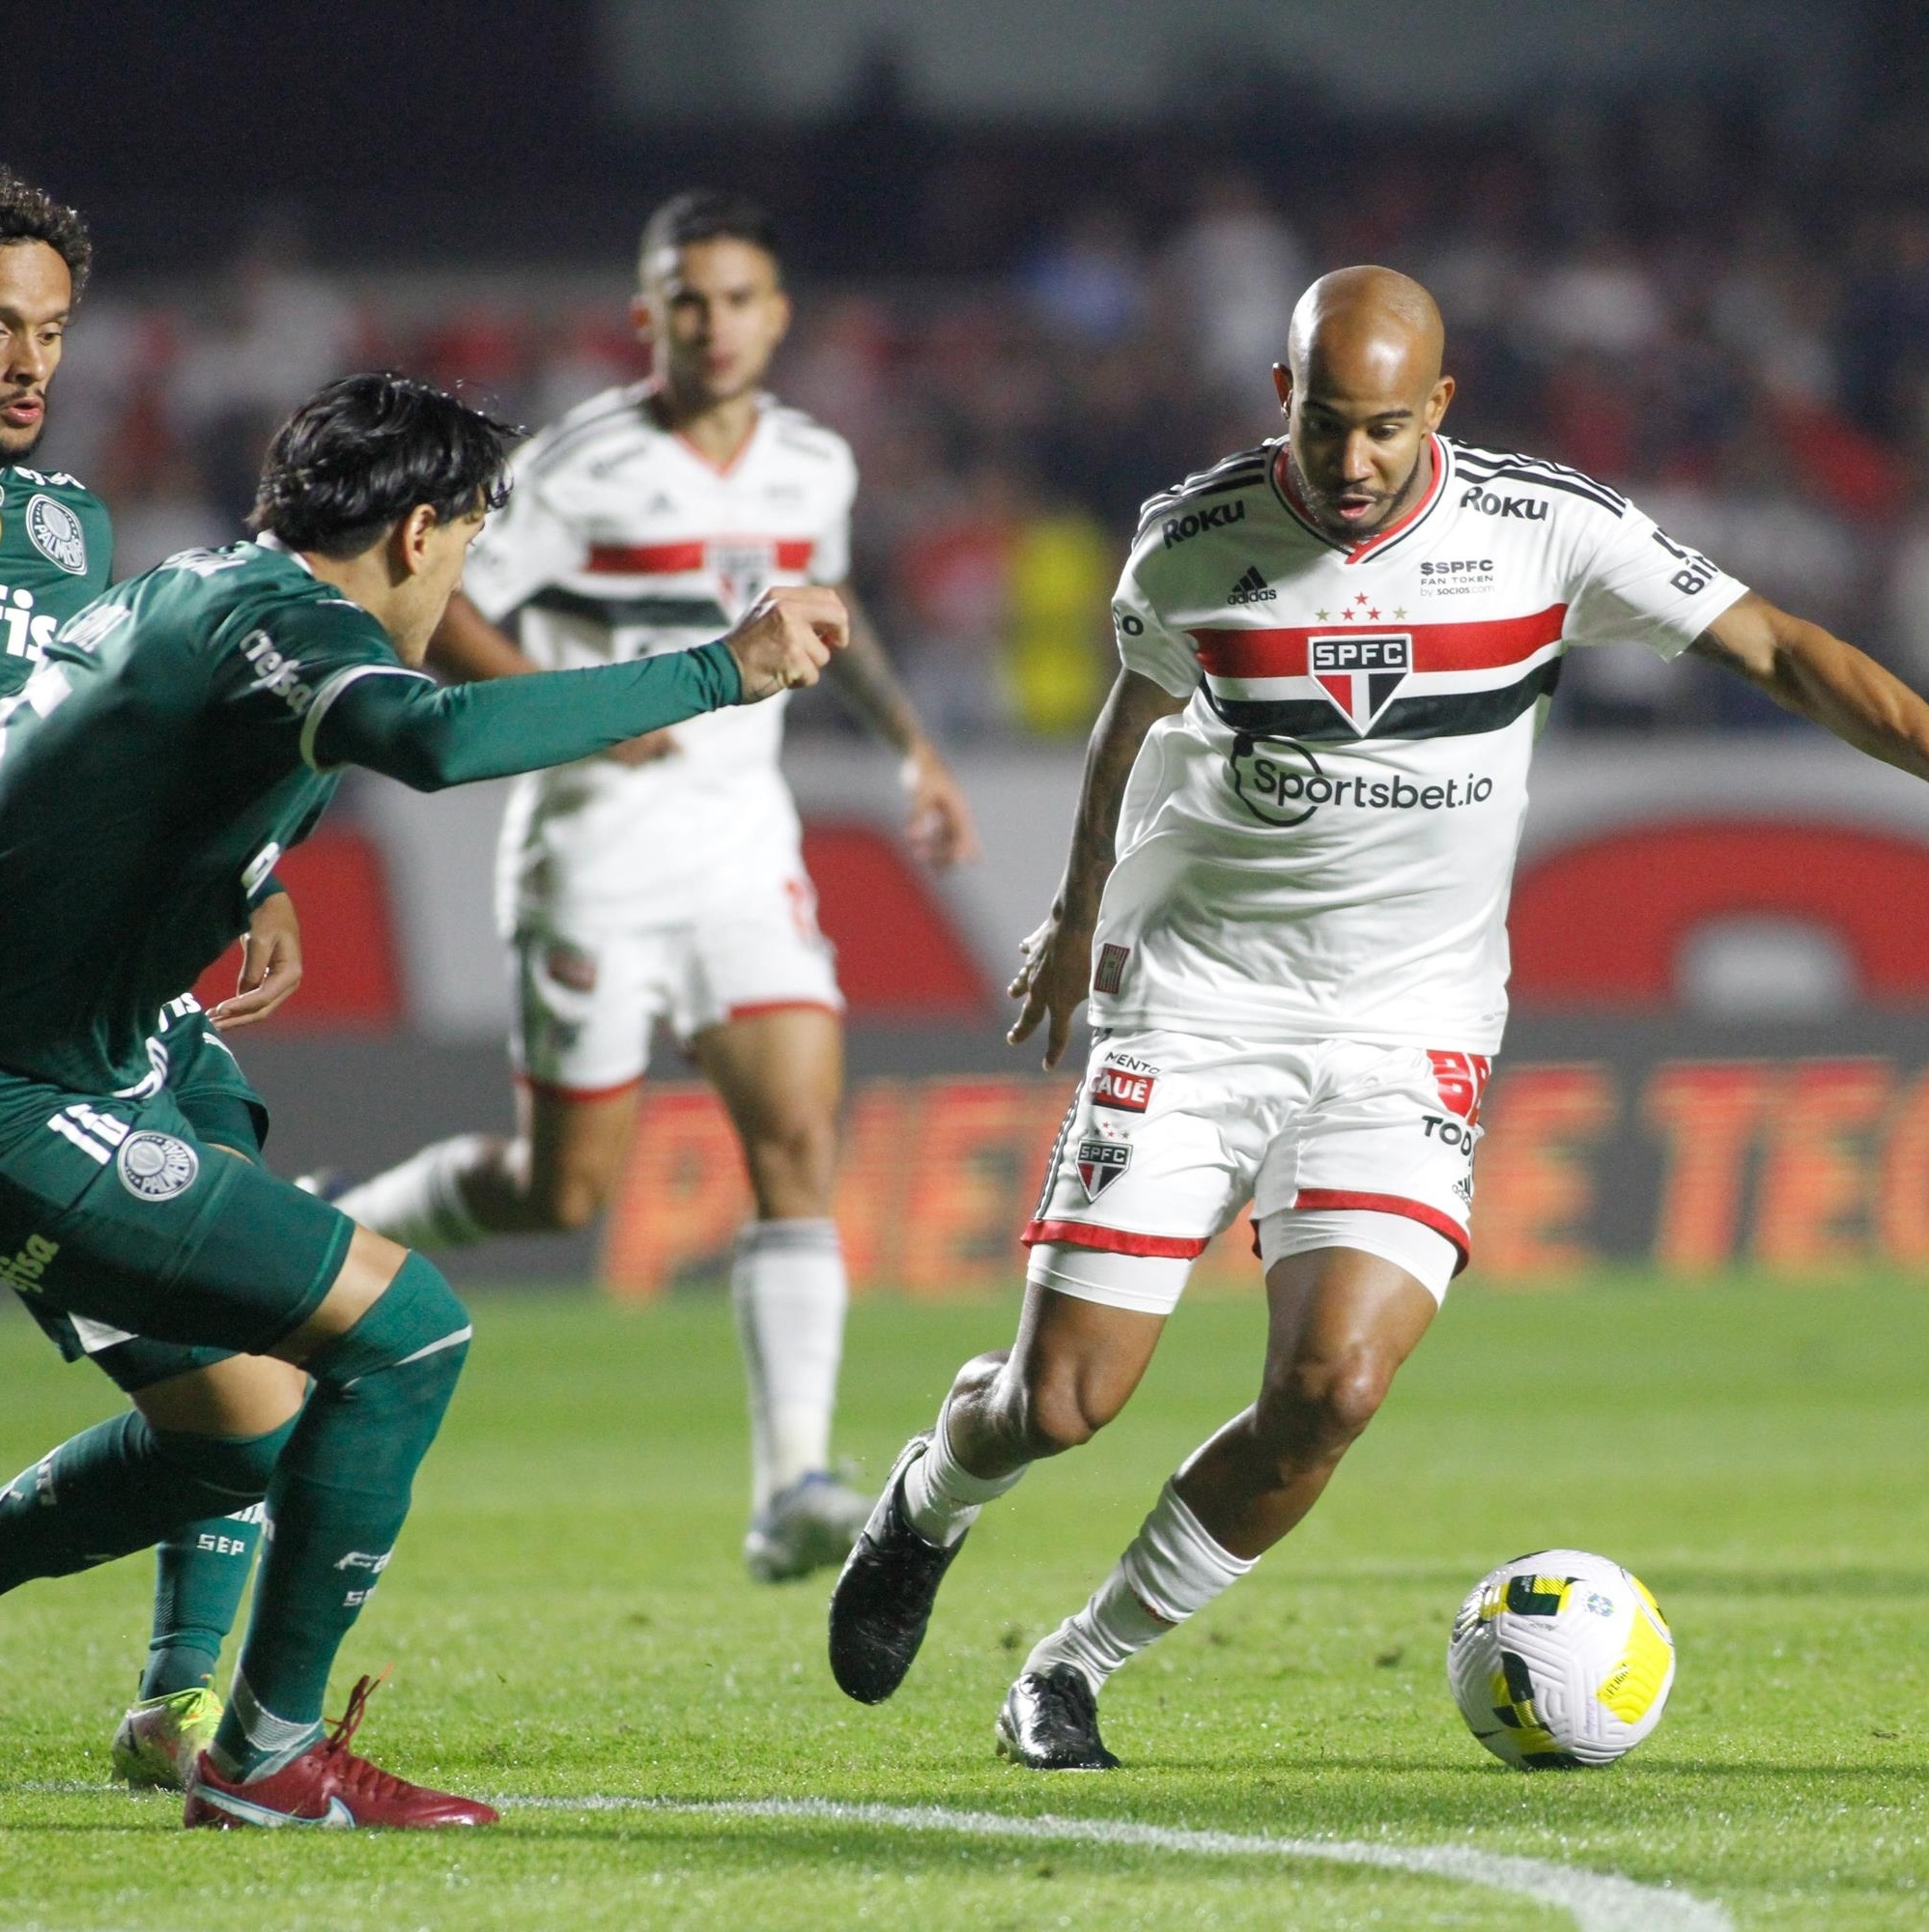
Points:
1360	675
1101	1163
743	567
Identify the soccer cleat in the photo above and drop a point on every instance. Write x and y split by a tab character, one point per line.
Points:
1050	1722
327	1786
881	1602
325	1183
806	1525
157	1743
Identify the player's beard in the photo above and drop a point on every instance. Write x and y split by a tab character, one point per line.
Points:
1337	527
18	452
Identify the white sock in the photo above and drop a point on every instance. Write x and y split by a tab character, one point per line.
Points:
788	1286
282	1739
420	1202
942	1497
1170	1569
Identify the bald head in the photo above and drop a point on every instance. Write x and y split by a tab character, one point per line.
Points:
1362	389
1367	316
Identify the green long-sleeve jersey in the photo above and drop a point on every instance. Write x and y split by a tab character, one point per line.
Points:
56	550
189	727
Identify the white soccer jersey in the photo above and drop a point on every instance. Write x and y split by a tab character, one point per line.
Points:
1321	843
620	541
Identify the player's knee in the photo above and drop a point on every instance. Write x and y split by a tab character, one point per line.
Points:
1060	1409
1314	1410
235	1469
418	1323
567	1199
793	1159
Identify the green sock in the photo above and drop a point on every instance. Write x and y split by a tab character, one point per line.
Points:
119	1487
200	1574
336	1503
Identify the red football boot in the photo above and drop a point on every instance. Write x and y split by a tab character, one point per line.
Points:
330	1786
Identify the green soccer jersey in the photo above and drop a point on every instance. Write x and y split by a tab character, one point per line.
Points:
56	548
184	731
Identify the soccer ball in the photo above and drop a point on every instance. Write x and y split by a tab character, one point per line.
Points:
1560	1659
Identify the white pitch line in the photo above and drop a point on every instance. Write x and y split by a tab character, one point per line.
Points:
1597	1901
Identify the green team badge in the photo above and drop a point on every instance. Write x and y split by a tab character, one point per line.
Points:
56	533
156	1167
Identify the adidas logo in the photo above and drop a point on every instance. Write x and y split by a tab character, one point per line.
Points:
1250	588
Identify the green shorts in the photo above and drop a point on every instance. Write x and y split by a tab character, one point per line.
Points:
121	1214
223	1109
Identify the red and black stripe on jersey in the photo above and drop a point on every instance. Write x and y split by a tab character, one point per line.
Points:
1437	700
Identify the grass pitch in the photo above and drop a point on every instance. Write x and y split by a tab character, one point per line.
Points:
568	1620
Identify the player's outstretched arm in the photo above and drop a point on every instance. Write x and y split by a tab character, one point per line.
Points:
1808	671
1058	957
940	829
430	737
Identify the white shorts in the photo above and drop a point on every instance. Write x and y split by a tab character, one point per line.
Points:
1171	1134
585	1002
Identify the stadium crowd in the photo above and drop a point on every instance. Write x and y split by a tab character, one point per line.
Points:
1763	390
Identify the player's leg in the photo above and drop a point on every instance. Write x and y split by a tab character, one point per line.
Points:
579	1047
154	1230
1128	1205
779	1074
232	1405
1342	1321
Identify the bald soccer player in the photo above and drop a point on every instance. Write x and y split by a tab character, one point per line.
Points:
1286	897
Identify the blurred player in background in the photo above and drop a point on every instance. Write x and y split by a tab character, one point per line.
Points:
1287	896
176	736
56	550
665	881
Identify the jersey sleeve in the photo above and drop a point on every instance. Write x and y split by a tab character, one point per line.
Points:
1147	645
431	736
831	557
1638	585
523	548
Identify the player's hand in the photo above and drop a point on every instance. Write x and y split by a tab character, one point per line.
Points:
271	965
647	749
939	829
785	639
1051	983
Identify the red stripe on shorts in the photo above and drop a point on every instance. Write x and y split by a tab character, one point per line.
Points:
1314	1198
1112	1240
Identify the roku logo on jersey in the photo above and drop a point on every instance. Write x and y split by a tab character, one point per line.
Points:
1533	508
1175	529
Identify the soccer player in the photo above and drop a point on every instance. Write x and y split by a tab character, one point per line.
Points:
176	737
56	548
665	880
1286	895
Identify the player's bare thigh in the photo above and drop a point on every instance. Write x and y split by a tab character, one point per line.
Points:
240	1395
575	1148
780	1076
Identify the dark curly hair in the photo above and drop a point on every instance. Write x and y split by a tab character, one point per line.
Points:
28	213
364	451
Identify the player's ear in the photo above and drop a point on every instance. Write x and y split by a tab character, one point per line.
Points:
1436	402
409	542
642	318
1282	382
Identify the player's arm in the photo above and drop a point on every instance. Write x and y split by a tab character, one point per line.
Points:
939	828
1058	957
270	961
432	737
1808	671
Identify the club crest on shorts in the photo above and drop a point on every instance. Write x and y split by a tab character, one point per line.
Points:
1359	675
56	533
1099	1164
156	1167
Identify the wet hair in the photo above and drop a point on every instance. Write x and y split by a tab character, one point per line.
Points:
364	451
28	213
704	215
